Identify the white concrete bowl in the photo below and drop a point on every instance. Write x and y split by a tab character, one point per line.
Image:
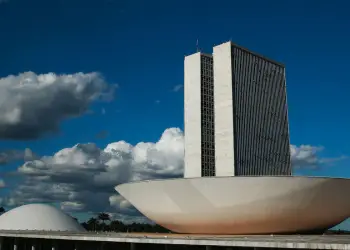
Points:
242	205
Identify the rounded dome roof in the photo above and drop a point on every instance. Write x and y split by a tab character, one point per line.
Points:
39	217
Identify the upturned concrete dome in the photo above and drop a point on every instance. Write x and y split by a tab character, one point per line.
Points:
38	217
242	204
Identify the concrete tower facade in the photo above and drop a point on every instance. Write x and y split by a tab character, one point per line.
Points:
199	115
236	118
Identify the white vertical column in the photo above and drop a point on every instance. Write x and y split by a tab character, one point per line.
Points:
34	243
76	245
223	108
15	244
54	245
132	246
192	104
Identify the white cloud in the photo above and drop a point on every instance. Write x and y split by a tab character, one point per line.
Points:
306	156
72	206
177	87
83	177
77	177
7	156
32	105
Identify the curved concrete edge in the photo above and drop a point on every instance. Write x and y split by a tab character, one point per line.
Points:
267	205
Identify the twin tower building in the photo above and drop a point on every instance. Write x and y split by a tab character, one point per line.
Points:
236	116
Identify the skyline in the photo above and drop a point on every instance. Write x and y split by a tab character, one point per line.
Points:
130	90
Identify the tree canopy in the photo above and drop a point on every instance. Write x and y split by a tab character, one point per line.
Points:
98	224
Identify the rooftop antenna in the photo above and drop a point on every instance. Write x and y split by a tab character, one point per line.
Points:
197	45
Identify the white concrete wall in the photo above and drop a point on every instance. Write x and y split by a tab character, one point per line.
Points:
223	108
192	88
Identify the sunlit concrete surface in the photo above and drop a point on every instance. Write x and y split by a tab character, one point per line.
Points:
242	205
38	217
176	241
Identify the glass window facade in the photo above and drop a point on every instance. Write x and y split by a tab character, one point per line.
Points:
207	117
261	132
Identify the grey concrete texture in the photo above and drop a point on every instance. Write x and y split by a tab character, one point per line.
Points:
257	241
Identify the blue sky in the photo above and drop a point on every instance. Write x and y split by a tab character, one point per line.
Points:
140	46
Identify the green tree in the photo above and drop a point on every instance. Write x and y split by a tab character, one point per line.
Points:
103	217
92	224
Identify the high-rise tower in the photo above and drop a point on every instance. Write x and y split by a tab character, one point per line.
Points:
199	115
236	120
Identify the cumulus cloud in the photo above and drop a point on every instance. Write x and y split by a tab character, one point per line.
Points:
79	176
306	156
72	206
83	177
8	156
32	105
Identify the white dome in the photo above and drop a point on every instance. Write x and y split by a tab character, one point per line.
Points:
38	217
242	205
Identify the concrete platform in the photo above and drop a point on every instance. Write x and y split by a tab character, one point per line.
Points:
257	241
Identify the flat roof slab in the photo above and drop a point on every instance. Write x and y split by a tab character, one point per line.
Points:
270	241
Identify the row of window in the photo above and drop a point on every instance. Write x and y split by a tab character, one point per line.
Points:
207	77
208	122
262	68
207	97
209	111
260	145
208	86
207	138
208	152
208	160
260	81
207	116
251	161
241	55
208	145
206	66
207	104
208	172
207	108
207	59
208	131
207	125
208	91
207	72
206	62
